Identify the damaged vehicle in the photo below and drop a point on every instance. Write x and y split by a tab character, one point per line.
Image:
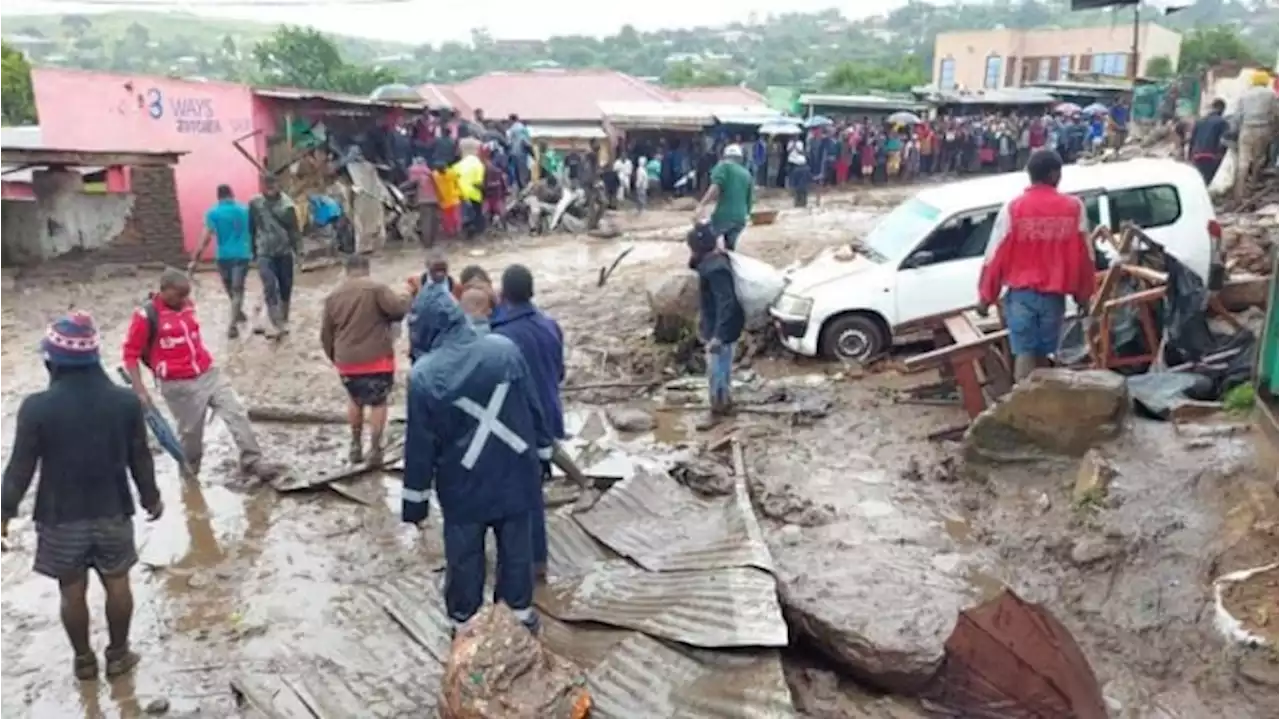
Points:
924	258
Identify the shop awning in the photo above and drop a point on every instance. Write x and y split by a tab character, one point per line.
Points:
567	132
657	115
753	117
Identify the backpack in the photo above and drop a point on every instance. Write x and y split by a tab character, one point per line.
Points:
153	327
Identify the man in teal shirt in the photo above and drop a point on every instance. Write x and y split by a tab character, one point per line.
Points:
733	191
227	222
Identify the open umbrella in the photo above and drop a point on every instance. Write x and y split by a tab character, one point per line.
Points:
395	92
161	430
818	121
1010	659
1096	108
1067	108
902	117
780	128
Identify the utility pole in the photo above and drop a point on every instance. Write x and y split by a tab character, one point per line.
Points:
1137	6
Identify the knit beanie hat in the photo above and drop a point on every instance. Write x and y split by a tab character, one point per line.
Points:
71	341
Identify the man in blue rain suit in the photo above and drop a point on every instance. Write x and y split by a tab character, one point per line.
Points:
476	433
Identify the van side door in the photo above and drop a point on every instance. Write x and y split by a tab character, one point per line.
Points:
941	274
1158	210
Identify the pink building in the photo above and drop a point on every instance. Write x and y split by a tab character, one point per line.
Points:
101	111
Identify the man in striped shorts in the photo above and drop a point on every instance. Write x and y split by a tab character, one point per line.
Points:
87	435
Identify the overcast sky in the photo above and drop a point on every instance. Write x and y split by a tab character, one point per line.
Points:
419	21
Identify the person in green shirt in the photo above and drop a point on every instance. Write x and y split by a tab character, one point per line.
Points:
550	161
733	191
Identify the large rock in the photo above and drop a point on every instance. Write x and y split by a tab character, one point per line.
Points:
1058	410
498	670
673	303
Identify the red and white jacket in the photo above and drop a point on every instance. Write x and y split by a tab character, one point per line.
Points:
1039	242
177	351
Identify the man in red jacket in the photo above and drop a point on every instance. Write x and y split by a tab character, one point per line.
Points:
1038	250
165	336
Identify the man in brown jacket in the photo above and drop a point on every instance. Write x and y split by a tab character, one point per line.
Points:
357	334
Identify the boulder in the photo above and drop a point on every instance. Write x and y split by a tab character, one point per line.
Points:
498	670
1093	479
673	304
1056	410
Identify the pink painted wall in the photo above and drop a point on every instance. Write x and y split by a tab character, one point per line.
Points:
99	111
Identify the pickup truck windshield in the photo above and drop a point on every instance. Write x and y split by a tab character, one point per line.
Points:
899	231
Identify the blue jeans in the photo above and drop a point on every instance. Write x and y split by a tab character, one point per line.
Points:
730	233
276	273
464	567
1034	320
720	373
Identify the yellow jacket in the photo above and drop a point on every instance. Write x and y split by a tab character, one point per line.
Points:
447	191
471	178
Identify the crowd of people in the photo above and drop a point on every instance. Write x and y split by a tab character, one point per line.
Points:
483	424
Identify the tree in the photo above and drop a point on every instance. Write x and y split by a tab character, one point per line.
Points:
17	98
75	25
686	74
298	57
1159	66
1203	48
137	35
890	76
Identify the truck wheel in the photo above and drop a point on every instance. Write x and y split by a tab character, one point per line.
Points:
854	338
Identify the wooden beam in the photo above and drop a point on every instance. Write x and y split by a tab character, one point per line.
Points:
86	158
945	354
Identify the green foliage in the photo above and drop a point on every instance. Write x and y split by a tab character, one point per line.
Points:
686	74
1203	48
801	50
16	96
1239	399
895	76
1159	66
305	58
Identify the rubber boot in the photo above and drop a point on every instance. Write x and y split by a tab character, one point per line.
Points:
85	667
120	661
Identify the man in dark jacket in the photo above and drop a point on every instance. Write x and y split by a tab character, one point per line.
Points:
1205	149
542	344
720	319
476	433
87	435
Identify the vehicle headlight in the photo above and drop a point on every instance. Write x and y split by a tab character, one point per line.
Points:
793	305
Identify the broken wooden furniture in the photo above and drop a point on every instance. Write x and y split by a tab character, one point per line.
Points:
977	363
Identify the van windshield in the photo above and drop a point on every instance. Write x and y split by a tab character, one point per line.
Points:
899	231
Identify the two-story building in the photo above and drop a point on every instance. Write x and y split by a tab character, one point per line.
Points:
1000	58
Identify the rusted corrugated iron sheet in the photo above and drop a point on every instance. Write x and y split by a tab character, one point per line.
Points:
662	526
734	607
1010	659
418	608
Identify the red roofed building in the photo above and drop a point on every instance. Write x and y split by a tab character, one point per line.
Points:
557	96
443	96
719	95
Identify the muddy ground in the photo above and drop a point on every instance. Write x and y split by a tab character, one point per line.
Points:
238	582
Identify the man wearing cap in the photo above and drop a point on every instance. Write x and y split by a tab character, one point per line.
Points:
1257	110
88	436
733	193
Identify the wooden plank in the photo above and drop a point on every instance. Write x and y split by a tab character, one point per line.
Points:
962	329
1151	295
1111	276
932	358
1146	273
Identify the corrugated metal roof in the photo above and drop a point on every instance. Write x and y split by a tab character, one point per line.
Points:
11	173
863	101
752	117
643	677
553	95
663	526
657	113
567	132
340	98
1007	96
713	608
719	95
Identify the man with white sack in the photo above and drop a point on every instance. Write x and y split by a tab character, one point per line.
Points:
720	317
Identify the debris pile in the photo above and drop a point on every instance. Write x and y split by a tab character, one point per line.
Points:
1249	231
498	670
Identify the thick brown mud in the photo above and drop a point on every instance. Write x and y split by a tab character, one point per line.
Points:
238	581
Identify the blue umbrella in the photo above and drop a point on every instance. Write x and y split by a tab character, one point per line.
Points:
161	430
818	121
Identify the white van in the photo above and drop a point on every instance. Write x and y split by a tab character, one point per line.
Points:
924	257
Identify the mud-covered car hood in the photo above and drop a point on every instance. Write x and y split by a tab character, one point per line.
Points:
833	263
